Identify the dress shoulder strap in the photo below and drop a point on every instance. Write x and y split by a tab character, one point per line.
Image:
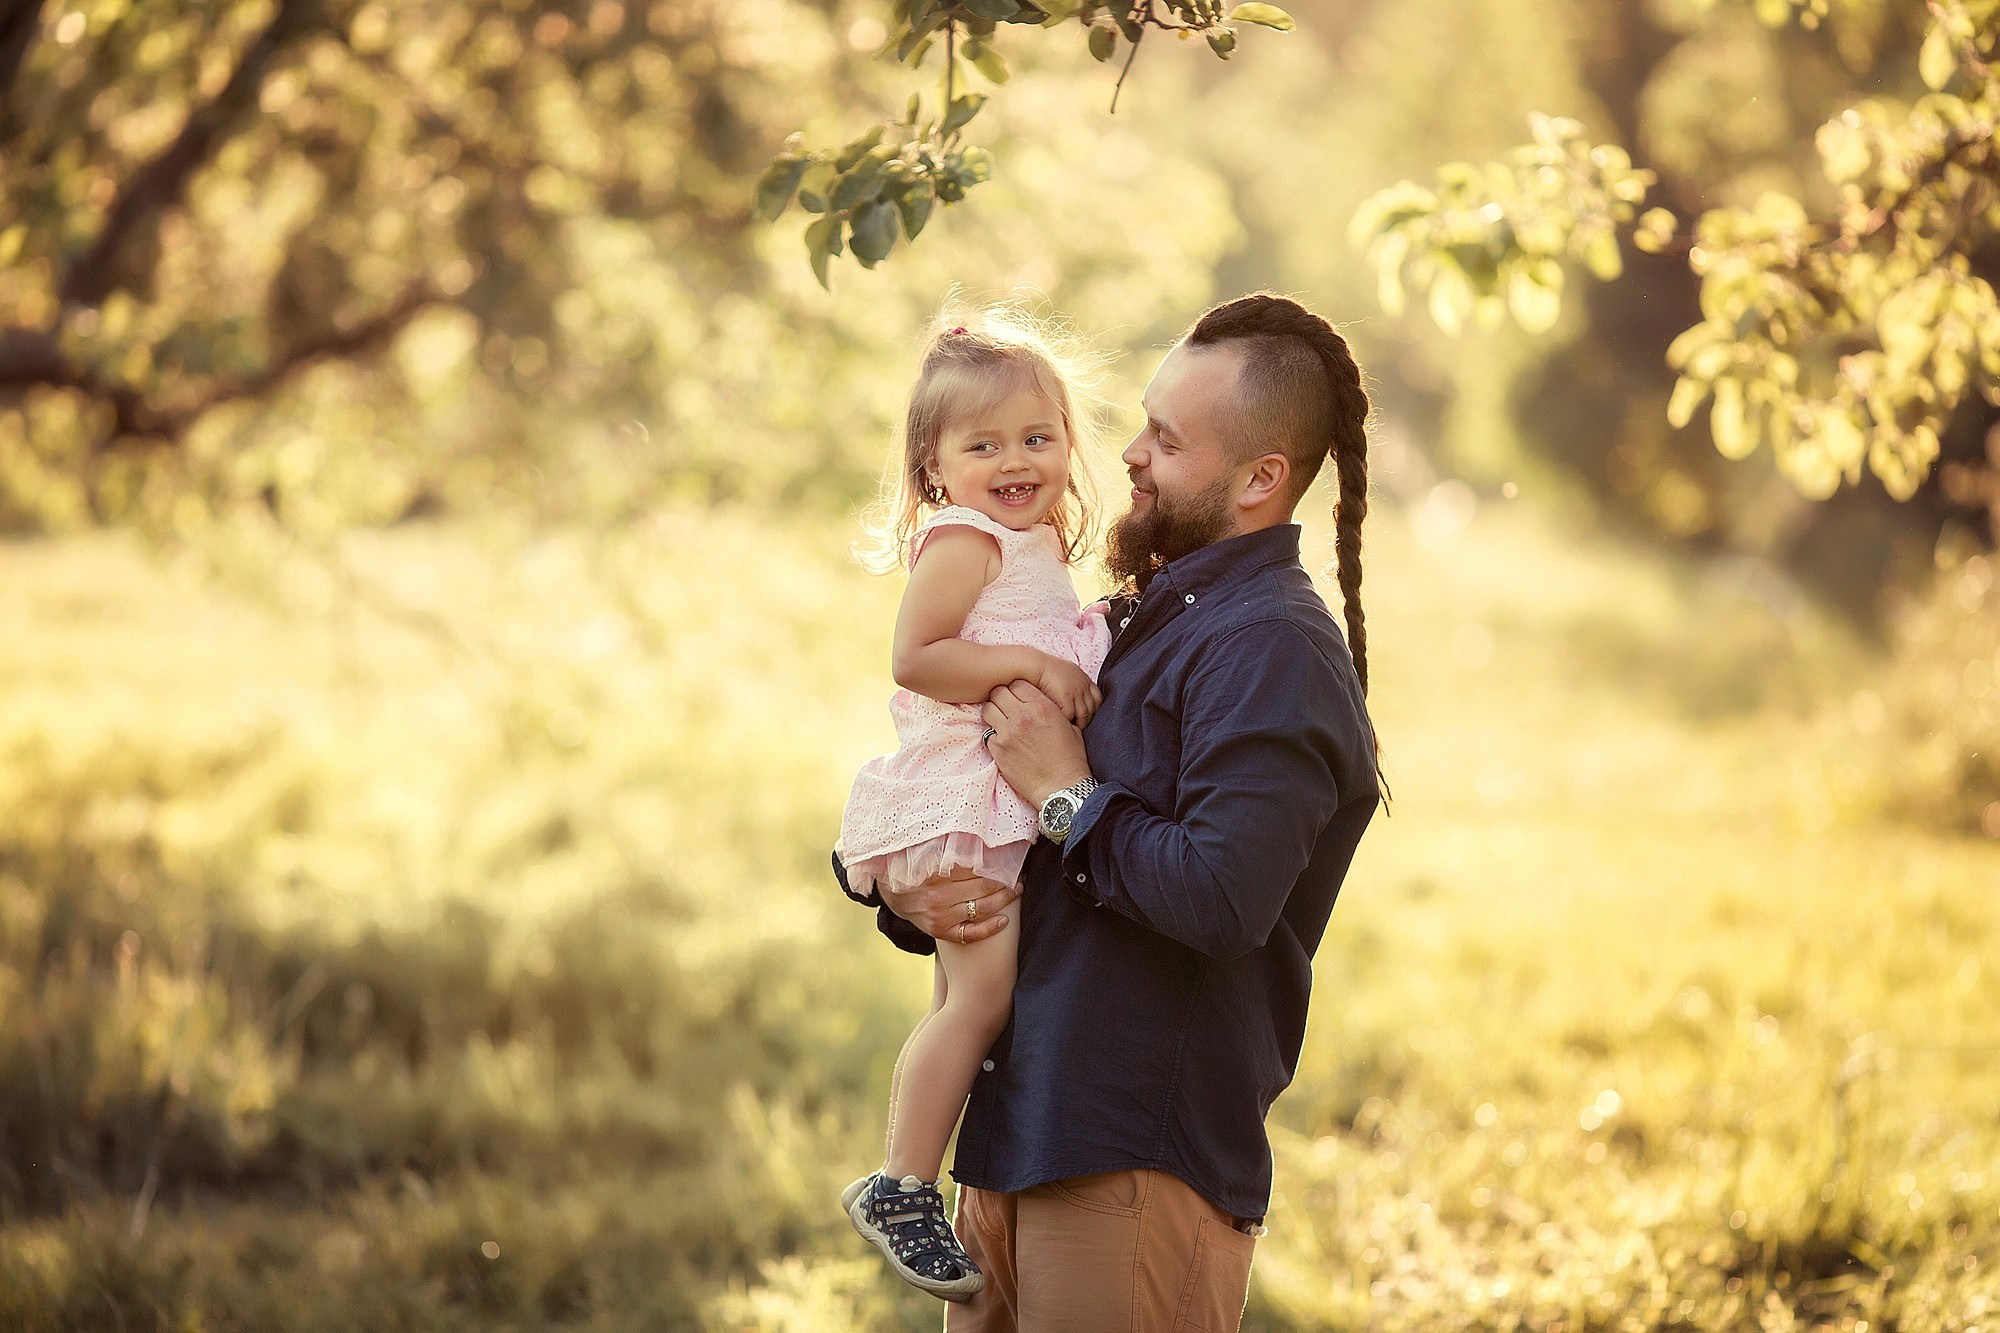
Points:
960	516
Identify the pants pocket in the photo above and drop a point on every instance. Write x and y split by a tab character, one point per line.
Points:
1218	1281
1119	1193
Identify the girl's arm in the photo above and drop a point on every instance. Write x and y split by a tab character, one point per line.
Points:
953	568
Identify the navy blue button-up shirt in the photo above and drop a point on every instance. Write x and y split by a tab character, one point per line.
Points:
1166	945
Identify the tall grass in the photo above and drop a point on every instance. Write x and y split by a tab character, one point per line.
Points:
452	948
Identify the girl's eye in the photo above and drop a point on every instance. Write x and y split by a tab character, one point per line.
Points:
1032	439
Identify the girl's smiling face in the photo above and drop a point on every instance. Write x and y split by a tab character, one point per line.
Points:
1009	461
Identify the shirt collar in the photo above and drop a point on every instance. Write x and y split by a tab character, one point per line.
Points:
1230	560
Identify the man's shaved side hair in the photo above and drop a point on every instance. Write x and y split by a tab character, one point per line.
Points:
1287	404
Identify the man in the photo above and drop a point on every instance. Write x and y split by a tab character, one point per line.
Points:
1112	1163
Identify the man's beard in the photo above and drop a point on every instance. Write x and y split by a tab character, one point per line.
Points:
1141	544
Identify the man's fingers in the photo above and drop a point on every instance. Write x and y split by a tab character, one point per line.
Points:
996	900
984	928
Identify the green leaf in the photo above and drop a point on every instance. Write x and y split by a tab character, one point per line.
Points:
1030	12
816	186
963	109
1937	62
874	232
777	185
1734	434
1536	303
1601	257
975	165
989	63
1103	41
917	40
1655	231
822	243
858	148
1000	11
864	181
1451	299
1264	16
1687	397
914	203
1221	41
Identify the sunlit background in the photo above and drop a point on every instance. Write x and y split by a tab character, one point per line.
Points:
432	667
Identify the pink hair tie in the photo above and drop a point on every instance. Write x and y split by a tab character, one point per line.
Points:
960	329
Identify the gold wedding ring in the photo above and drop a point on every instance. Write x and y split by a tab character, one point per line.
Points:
961	932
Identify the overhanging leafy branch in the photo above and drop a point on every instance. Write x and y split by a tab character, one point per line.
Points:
1842	344
884	184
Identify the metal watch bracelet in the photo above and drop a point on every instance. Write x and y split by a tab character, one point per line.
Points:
1059	810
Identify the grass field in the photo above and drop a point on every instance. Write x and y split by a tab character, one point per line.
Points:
447	945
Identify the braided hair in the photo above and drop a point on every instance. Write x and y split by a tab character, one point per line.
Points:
1302	391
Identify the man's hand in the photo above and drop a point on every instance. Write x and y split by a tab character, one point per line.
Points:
937	906
1038	751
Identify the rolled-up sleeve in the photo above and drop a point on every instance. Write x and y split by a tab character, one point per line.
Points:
901	933
1259	755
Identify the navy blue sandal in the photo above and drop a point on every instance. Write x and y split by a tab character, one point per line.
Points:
906	1221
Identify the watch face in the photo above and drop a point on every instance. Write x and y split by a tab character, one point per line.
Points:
1061	810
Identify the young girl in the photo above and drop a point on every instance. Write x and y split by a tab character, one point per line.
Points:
991	509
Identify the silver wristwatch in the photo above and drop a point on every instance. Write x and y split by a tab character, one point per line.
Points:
1058	812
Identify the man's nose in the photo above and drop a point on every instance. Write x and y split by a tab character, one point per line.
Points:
1134	455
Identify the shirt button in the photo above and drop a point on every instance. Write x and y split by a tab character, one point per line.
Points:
1189	599
986	1065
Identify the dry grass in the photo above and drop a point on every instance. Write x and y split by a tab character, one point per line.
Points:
436	967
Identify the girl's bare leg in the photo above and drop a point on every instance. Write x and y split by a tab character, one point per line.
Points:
938	985
943	1055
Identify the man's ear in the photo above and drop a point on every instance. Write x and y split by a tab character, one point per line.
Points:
1268	477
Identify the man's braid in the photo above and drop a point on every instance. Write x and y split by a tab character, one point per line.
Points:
1344	419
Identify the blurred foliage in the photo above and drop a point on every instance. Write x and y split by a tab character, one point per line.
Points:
1842	343
276	270
1940	703
296	267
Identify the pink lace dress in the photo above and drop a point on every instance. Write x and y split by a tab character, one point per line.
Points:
939	801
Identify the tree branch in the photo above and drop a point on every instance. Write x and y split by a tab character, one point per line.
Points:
32	358
162	183
334	343
1119	87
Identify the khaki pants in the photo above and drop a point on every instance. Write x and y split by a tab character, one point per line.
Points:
1124	1252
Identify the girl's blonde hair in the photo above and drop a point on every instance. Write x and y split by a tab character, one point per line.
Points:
971	359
